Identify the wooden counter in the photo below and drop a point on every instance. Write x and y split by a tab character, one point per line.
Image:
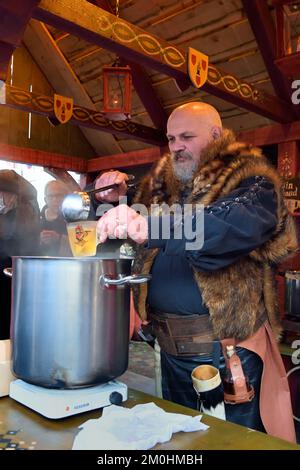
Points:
22	427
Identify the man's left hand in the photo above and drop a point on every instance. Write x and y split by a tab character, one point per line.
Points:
122	222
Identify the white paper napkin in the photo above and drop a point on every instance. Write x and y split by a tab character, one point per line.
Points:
138	428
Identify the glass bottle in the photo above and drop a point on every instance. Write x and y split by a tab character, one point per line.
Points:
228	382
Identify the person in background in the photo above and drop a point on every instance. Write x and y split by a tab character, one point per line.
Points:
202	295
52	224
19	233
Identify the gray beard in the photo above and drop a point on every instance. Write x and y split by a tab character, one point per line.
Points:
184	173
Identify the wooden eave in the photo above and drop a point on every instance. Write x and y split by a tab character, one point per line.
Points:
264	30
289	65
100	27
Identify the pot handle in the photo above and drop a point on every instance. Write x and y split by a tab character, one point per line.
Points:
134	279
8	272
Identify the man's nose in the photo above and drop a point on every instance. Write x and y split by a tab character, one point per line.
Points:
177	145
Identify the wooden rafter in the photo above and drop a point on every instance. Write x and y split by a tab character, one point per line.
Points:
125	160
143	87
39	157
64	176
142	83
272	134
14	16
95	25
64	81
283	2
264	30
281	46
288	63
58	164
17	98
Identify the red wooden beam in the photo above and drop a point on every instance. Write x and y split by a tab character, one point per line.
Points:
283	2
6	51
288	159
39	157
276	134
280	28
14	16
97	26
263	28
125	160
23	100
102	4
290	65
271	134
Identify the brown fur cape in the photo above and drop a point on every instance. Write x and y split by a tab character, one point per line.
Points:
235	295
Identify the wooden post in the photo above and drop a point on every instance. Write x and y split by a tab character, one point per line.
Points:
288	167
288	159
280	35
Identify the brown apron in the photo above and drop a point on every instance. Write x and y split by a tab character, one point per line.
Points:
275	401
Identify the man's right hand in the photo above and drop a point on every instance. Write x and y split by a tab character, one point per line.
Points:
111	177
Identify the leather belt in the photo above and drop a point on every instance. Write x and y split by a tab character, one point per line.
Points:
183	335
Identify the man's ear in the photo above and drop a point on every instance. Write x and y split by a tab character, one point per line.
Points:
216	132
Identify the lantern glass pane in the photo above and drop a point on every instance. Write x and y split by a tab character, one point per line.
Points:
116	89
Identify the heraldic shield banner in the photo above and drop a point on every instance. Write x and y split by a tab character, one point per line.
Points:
197	67
63	108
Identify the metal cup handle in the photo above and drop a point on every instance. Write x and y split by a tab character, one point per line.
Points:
8	272
134	279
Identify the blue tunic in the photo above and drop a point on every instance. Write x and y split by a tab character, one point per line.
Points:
233	227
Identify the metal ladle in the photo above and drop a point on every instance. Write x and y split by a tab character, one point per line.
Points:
77	205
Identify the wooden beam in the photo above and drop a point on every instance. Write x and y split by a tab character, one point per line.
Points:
141	82
290	65
143	87
14	16
102	4
264	30
64	81
97	26
125	160
271	134
6	51
283	2
38	157
280	28
17	98
63	176
288	159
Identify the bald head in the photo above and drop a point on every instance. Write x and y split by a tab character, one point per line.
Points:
55	186
197	111
191	128
55	191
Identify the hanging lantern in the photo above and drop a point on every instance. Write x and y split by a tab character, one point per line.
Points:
116	93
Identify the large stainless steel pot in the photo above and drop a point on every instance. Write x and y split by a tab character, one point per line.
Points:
292	293
70	319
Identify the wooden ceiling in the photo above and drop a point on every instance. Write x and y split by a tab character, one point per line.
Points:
237	35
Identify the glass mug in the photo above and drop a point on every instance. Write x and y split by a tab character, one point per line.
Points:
83	237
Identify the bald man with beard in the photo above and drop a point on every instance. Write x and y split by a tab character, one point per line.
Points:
221	289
